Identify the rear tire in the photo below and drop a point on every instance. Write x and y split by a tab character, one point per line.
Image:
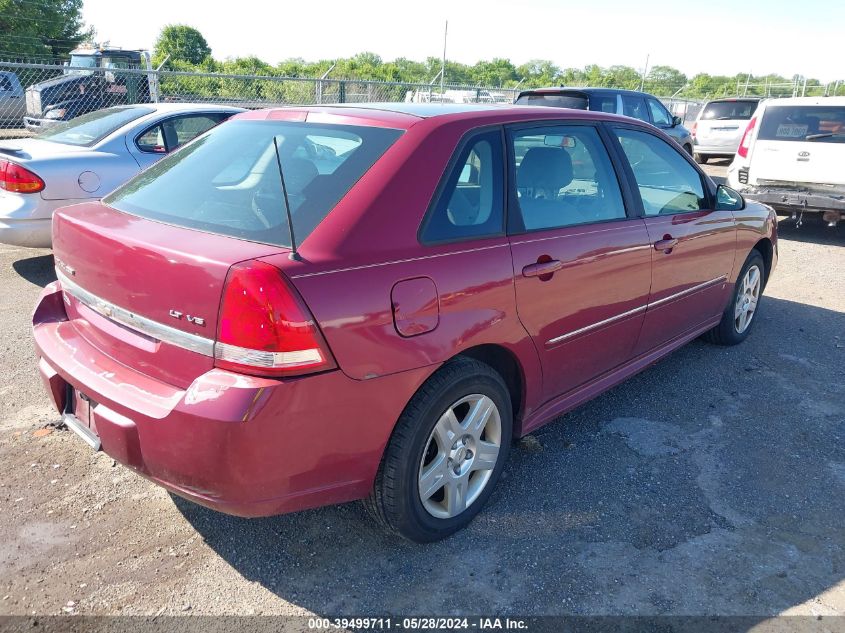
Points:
700	159
446	453
741	313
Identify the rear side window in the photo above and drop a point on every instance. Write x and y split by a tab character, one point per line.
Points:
470	204
228	182
564	177
820	124
5	83
603	103
728	110
557	100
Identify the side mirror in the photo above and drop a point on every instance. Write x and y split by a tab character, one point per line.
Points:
728	200
676	121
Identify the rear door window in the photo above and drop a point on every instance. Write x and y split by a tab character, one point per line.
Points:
228	182
819	124
470	204
564	177
634	106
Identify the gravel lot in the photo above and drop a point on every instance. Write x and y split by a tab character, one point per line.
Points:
712	483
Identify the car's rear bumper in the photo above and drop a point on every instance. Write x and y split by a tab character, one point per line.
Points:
715	150
239	444
788	201
25	220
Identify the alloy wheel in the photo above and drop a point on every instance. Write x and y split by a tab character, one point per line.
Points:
460	456
747	298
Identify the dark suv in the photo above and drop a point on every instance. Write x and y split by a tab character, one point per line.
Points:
639	105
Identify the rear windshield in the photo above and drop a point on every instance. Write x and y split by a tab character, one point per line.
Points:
227	182
729	110
88	129
820	124
577	102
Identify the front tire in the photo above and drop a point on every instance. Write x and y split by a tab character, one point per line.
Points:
742	309
446	453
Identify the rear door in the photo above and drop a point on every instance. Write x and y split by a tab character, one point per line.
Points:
582	265
722	123
801	144
692	245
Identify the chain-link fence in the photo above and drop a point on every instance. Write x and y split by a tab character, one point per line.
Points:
31	93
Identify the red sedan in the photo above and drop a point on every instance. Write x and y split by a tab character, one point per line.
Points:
312	305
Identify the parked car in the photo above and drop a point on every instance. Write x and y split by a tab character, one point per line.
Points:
791	157
86	158
12	103
719	126
638	105
79	90
355	329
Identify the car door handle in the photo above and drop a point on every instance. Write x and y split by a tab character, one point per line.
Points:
542	268
666	244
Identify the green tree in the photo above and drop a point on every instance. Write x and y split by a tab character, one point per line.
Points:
47	28
182	43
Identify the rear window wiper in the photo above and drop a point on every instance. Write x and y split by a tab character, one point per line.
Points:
813	137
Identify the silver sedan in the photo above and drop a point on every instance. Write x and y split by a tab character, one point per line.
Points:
88	157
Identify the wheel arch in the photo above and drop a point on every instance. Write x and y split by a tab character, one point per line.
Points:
765	248
507	365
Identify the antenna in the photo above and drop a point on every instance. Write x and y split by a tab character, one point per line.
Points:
293	253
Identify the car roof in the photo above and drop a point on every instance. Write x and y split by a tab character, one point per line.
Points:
405	115
732	99
807	101
585	90
179	106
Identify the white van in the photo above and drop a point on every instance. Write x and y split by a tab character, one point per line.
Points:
792	157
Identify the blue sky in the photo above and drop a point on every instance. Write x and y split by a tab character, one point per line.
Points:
717	36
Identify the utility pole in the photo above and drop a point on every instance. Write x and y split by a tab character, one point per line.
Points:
645	72
747	79
443	65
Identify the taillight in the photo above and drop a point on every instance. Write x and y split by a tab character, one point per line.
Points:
18	179
745	143
693	128
265	328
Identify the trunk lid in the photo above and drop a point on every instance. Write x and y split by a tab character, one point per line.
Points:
133	283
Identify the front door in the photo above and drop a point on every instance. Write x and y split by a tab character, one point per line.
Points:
581	264
692	245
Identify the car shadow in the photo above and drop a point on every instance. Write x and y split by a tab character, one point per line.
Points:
38	270
811	230
708	484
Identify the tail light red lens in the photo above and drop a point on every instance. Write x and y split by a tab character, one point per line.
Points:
265	328
745	143
693	128
18	179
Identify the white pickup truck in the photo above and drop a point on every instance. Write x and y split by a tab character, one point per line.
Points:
791	157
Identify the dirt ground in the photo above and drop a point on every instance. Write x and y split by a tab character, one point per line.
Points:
712	483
